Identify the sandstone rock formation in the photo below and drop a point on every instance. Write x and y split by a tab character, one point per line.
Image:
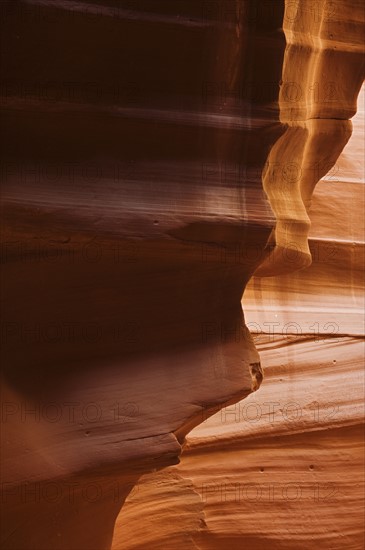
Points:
146	144
283	468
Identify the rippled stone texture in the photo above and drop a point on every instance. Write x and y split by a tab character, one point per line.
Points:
283	468
143	146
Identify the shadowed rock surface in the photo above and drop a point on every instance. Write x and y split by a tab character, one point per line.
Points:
283	468
145	144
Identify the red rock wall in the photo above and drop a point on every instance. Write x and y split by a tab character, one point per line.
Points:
283	468
159	157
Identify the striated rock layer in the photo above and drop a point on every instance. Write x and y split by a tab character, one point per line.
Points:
146	143
284	468
115	135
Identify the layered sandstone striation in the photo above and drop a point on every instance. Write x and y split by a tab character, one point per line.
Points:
283	468
116	130
147	146
322	74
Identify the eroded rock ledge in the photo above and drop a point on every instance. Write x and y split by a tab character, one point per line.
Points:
146	143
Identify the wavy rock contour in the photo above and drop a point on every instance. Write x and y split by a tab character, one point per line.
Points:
132	175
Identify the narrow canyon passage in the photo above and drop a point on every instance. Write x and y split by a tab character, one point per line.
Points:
160	160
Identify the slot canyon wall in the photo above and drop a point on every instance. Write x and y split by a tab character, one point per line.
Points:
283	468
159	163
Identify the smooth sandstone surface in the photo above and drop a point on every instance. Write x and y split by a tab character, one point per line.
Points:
283	468
146	183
